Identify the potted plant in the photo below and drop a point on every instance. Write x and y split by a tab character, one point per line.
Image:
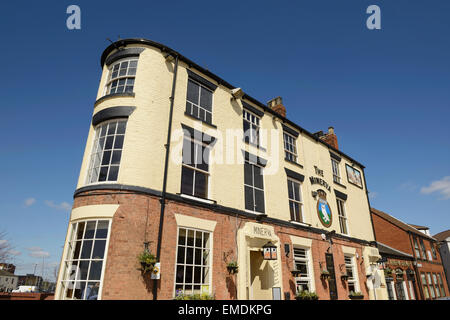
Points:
147	261
232	267
196	296
388	272
356	295
306	295
344	277
324	274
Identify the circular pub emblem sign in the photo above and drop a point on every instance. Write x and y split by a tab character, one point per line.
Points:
323	209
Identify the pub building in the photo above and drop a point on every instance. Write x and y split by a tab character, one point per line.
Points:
411	260
188	185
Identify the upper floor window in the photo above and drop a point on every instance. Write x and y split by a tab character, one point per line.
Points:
336	173
352	282
301	261
441	285
193	267
107	151
416	248
84	262
342	216
295	200
121	76
199	101
254	187
424	286
433	250
194	172
424	250
251	128
436	286
430	285
290	149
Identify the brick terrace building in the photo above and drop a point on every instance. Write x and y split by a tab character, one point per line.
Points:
430	281
159	172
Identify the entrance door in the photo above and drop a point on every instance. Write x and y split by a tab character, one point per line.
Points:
332	280
261	277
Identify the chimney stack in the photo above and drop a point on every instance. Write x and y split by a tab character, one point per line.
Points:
329	137
276	105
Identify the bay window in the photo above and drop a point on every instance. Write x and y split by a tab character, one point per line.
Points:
121	76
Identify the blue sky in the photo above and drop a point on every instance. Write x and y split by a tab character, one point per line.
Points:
386	92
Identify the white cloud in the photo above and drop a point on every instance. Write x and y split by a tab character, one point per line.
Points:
62	206
15	252
2	242
30	201
440	186
37	252
373	195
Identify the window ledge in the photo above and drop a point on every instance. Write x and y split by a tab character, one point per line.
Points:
300	223
255	145
114	95
339	184
293	162
196	198
196	118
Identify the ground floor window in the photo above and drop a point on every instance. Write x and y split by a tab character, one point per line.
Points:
352	282
301	261
193	267
441	285
84	262
400	289
390	291
411	290
424	286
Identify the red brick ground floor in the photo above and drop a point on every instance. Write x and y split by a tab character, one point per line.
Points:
228	236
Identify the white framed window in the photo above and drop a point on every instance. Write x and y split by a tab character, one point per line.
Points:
302	263
416	248
436	286
253	187
290	148
83	265
352	282
424	285
342	216
107	151
441	285
430	285
193	266
251	128
390	290
199	101
336	172
295	200
411	290
121	76
195	168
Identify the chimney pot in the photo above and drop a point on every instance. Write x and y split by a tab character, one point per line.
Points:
276	105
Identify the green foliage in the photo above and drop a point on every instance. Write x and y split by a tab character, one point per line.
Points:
355	294
197	296
306	295
147	261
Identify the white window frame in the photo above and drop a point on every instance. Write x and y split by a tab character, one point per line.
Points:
197	104
430	285
411	290
290	147
436	286
253	187
309	266
353	279
254	121
210	261
342	216
94	151
192	167
299	202
336	171
110	80
65	274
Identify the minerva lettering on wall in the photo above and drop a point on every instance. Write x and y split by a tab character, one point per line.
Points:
261	231
316	180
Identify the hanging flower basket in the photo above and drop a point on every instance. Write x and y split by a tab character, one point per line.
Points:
324	275
232	267
147	262
296	273
306	295
344	277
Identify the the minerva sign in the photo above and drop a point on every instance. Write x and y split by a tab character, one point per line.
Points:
261	231
317	180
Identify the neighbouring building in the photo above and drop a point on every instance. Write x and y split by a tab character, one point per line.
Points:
182	164
444	249
8	267
425	273
8	281
30	280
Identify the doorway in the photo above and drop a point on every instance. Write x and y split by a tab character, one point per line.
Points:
332	280
261	277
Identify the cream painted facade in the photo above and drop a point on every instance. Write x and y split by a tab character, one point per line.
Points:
142	163
143	157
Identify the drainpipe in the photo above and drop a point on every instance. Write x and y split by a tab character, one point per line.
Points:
166	166
416	268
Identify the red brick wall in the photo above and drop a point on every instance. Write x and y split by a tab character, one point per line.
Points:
139	214
26	296
391	235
